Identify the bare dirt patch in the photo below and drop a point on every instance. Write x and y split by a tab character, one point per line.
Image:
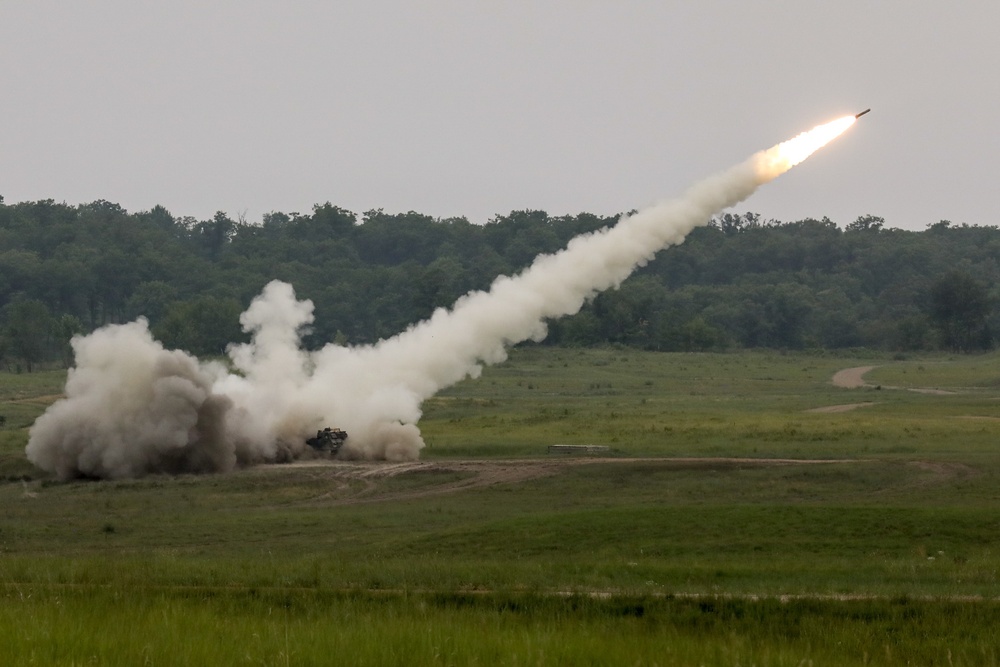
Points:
852	378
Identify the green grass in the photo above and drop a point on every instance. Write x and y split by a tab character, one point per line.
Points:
889	555
317	627
968	373
23	397
754	404
868	527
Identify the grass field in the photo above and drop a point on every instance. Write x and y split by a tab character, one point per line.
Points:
731	523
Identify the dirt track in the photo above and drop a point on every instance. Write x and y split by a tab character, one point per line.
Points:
854	378
353	482
358	483
845	407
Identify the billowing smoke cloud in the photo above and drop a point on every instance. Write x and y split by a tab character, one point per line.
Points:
132	407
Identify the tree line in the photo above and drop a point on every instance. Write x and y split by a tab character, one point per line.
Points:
741	282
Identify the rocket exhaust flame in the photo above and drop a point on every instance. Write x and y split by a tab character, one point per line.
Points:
784	156
133	408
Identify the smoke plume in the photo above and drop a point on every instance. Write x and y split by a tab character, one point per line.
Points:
133	408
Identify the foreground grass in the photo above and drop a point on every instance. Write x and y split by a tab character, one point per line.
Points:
317	627
894	547
865	527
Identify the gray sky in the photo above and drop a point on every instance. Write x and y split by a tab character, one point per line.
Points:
455	108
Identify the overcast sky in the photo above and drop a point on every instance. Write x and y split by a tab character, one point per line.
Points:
465	108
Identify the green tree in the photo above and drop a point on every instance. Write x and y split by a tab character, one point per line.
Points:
65	327
697	335
440	283
732	223
29	330
959	308
215	234
867	223
150	300
204	325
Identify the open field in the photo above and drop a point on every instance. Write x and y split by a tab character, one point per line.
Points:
731	523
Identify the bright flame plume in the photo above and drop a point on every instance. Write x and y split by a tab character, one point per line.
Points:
779	159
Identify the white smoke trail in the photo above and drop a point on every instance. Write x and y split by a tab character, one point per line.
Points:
283	394
391	379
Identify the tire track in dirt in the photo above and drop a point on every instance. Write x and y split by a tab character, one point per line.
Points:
478	474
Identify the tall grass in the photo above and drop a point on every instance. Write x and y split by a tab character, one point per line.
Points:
112	626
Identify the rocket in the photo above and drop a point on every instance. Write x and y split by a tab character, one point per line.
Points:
862	113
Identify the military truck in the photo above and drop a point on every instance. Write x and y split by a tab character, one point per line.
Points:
328	440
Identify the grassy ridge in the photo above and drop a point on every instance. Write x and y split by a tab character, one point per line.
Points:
589	563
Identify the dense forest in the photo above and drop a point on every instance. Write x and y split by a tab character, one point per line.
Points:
741	282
